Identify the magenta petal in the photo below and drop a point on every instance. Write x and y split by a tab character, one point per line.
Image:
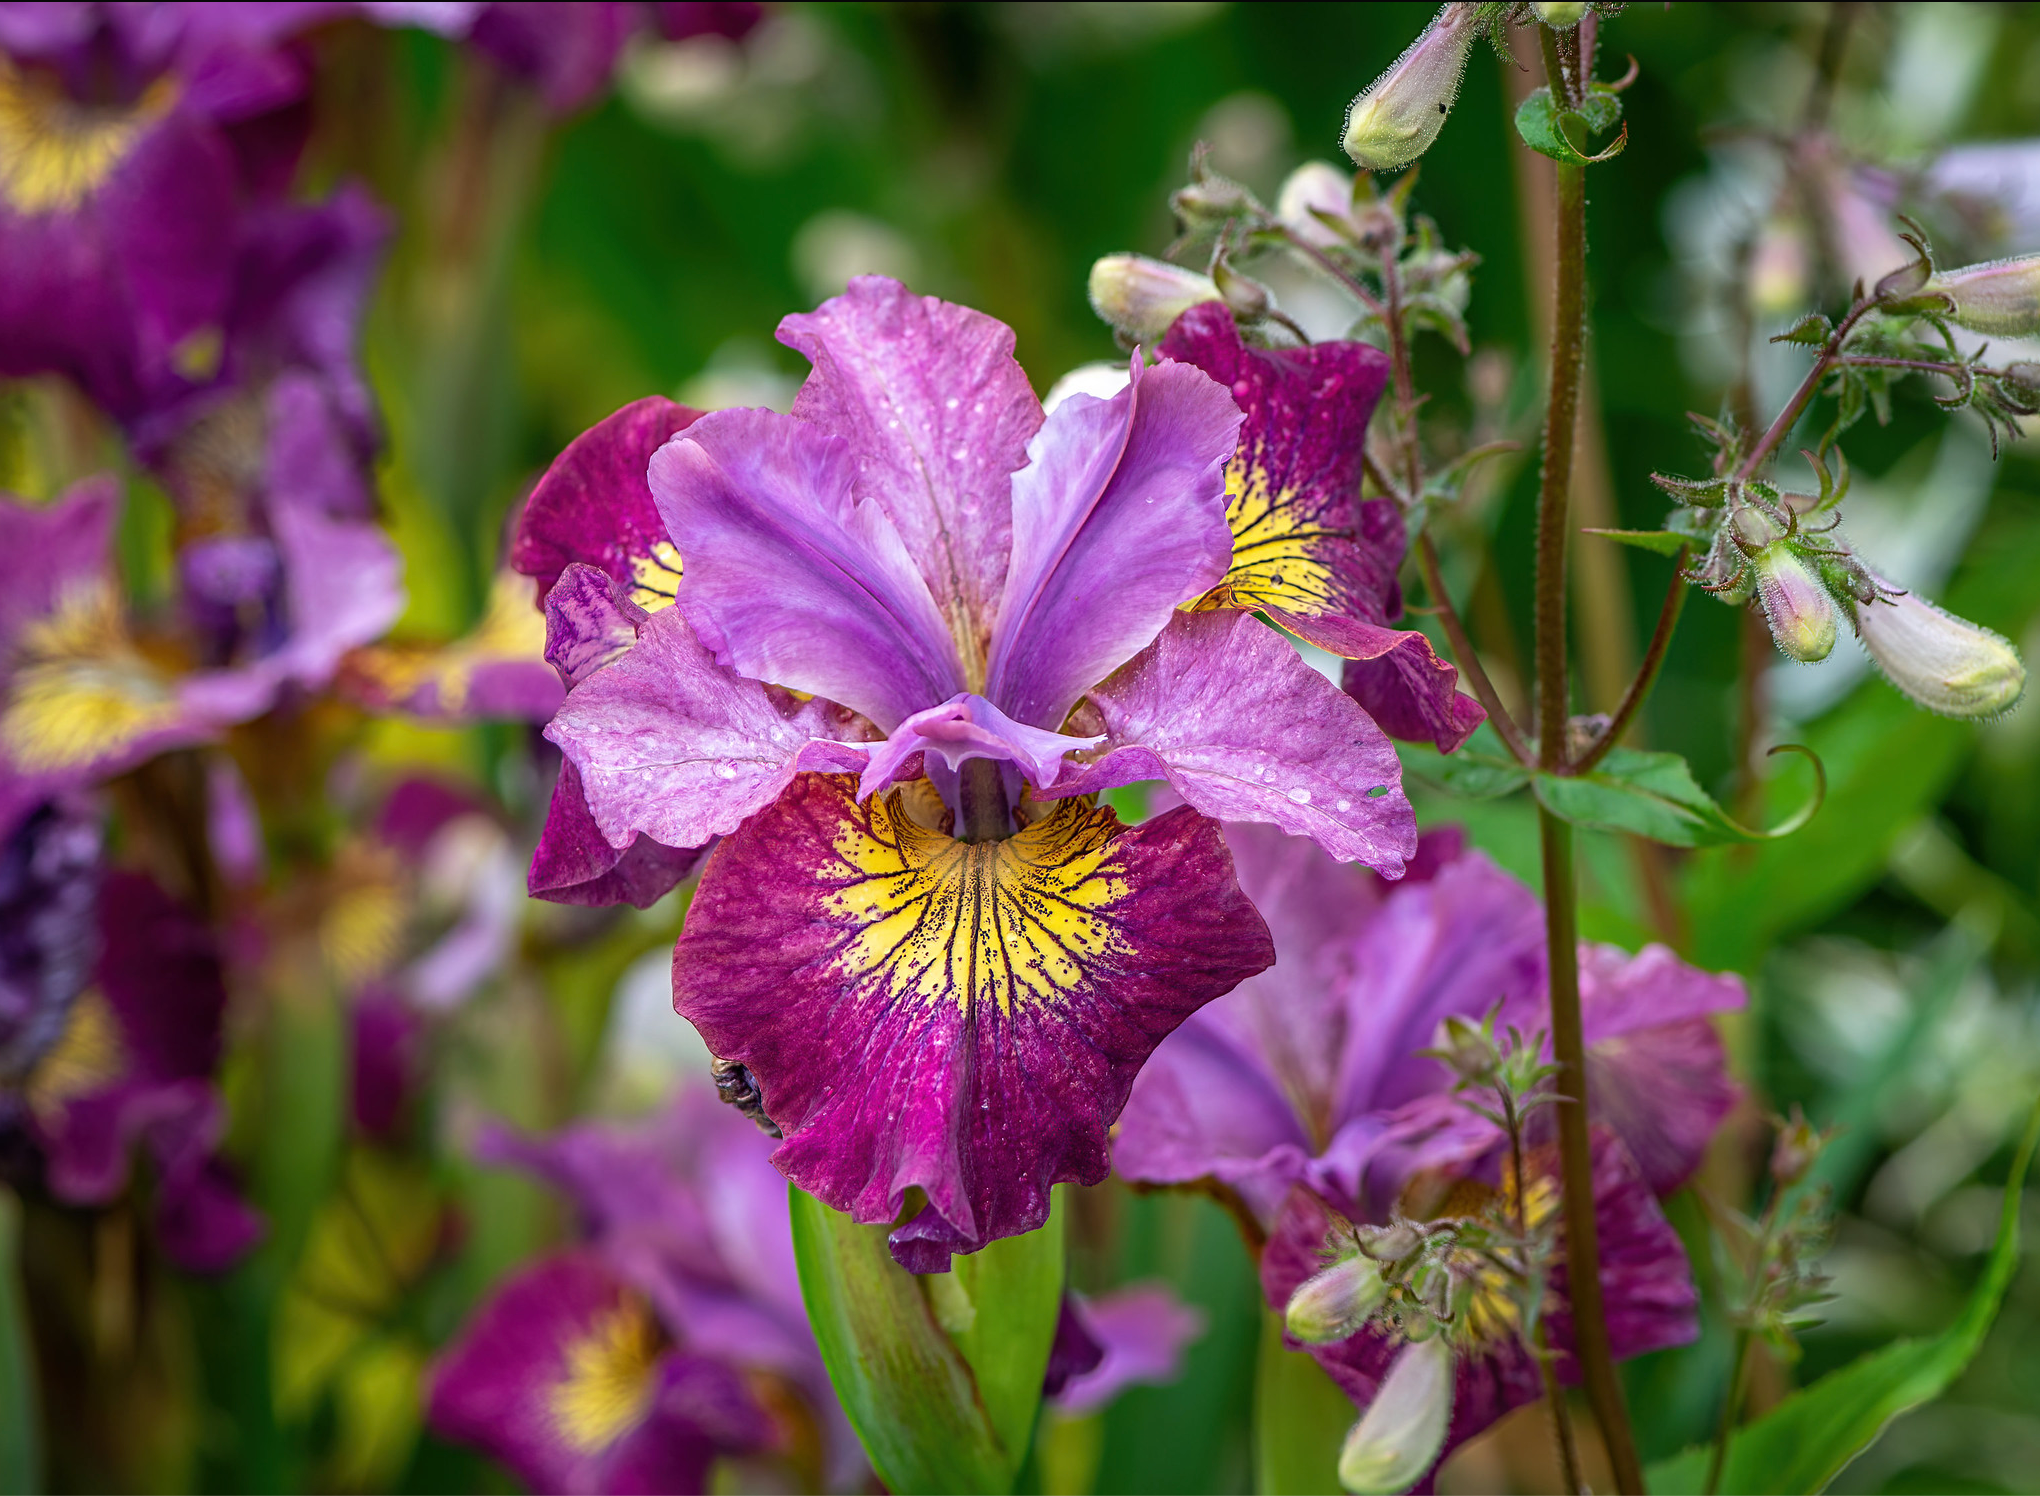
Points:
48	549
938	415
1117	518
966	1019
594	504
671	745
1409	692
1142	1330
788	578
589	622
967	727
575	864
1224	709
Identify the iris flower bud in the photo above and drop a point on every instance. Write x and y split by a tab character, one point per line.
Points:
1140	297
1335	1303
1946	664
1398	1438
1796	605
1400	114
2001	297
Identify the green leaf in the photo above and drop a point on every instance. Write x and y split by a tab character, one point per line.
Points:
940	1376
1655	795
1465	772
1804	1442
1813	330
1300	1419
1561	133
20	1429
1664	542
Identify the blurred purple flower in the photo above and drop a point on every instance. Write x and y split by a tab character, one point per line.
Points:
1106	1344
49	935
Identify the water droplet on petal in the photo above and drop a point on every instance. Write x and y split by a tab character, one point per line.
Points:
951	403
724	771
1345	805
1300	795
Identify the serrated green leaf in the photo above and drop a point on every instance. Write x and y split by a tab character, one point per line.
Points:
1813	330
1664	542
1803	1444
938	1409
1655	795
1601	108
1561	133
1465	772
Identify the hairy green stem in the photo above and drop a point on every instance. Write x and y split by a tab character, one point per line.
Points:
1731	1403
1565	71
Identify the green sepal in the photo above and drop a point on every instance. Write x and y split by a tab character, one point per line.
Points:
1655	795
1561	133
1802	1444
940	1376
1813	330
1664	542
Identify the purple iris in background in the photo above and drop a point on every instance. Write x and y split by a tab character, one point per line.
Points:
1304	1093
1307	551
673	1334
916	577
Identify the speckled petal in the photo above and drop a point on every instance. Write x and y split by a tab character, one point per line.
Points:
938	415
789	579
589	622
1224	709
1117	518
965	1019
670	744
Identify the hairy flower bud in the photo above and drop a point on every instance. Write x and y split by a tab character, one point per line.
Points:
2001	297
1796	605
1796	1150
1400	114
1313	188
1140	297
1559	15
1245	295
1398	1438
1335	1303
1210	202
1946	664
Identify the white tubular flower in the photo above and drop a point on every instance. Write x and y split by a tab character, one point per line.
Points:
2001	297
1141	297
1400	114
1398	1438
1335	1303
1946	664
1796	605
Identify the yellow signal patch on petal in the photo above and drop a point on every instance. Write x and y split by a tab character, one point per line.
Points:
82	691
1002	922
88	1056
1276	560
54	152
511	629
655	578
606	1388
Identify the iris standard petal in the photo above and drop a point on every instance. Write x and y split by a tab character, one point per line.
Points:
671	745
789	578
938	415
1117	518
1306	550
1224	709
967	727
963	1018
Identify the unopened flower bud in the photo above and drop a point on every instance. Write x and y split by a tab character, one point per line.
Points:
1559	15
1210	202
1946	664
1796	605
1798	1146
1399	1436
1335	1303
1245	295
1400	114
1313	188
1467	1049
2001	298
1140	297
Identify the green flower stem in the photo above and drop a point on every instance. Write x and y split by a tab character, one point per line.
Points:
1565	70
1731	1403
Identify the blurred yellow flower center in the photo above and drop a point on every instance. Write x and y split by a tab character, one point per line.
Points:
81	689
607	1386
54	152
87	1057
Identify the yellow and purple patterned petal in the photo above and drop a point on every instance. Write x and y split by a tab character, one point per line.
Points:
939	415
965	1020
1116	519
497	670
790	578
1225	710
1306	550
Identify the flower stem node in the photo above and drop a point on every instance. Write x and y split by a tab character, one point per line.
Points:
1141	297
1398	116
1946	664
1796	605
1337	1302
1400	1435
2000	297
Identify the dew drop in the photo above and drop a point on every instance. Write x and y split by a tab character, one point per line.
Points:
952	403
961	453
1300	795
724	771
1345	805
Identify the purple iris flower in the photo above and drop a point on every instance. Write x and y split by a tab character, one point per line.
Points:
1104	1345
1307	551
133	1065
633	1359
1305	1095
49	936
916	577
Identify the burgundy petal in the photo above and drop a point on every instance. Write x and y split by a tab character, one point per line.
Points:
575	864
965	1019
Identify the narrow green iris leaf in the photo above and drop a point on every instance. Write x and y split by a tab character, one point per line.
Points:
1803	1443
